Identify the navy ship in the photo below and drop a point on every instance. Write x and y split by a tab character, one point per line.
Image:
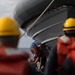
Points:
43	19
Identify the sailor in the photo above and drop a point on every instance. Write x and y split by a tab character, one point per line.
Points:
64	46
12	60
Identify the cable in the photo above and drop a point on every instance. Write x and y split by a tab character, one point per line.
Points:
33	24
23	34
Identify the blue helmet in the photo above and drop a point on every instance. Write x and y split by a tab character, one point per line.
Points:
32	47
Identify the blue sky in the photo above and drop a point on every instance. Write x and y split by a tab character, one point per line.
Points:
6	9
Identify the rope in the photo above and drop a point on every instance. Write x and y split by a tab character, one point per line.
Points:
22	34
33	24
40	15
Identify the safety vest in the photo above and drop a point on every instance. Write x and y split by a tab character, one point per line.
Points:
13	62
64	46
36	50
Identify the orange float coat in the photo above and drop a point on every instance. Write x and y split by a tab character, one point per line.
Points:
13	62
64	46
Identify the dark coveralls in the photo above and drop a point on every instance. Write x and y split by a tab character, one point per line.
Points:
67	68
52	63
43	58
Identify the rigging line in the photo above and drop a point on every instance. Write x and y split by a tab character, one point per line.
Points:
23	34
33	24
